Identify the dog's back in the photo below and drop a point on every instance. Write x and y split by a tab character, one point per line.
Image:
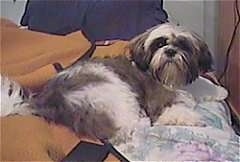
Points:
91	99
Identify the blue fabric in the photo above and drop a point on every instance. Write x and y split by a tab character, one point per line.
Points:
98	19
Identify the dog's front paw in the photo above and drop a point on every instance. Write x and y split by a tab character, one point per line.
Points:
180	116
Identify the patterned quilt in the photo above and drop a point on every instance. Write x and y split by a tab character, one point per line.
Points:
215	141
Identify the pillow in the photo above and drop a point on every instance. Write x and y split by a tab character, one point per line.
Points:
203	89
99	20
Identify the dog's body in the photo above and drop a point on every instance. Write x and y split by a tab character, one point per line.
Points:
102	98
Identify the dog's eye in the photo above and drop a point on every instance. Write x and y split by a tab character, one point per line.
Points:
158	43
162	41
184	44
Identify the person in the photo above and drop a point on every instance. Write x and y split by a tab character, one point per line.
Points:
97	19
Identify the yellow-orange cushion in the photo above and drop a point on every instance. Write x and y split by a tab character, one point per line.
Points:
27	56
119	47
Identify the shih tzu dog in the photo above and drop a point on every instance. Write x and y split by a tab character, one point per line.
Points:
107	97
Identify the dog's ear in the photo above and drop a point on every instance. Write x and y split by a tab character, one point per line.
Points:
205	59
137	53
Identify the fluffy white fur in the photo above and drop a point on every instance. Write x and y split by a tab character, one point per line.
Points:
124	109
181	112
14	103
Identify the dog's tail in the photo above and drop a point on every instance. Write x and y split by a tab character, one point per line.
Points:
14	98
54	104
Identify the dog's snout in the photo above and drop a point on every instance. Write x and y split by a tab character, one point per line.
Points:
170	52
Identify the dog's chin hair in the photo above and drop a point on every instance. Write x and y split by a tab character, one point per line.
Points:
170	73
171	76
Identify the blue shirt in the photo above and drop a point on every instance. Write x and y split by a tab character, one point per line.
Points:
98	19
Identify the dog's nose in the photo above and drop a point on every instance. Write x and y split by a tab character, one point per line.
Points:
170	52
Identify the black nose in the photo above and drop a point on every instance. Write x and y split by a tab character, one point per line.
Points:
170	52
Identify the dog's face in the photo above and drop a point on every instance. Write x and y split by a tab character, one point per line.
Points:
172	54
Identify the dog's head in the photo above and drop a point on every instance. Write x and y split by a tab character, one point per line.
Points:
174	55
